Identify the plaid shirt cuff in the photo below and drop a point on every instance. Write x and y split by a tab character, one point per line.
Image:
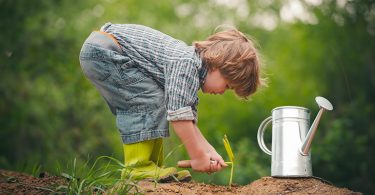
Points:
185	113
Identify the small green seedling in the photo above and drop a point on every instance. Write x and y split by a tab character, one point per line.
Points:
231	157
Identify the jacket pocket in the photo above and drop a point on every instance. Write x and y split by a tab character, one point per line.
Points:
95	70
129	72
131	81
95	62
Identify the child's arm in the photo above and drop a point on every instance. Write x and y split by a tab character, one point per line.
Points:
197	148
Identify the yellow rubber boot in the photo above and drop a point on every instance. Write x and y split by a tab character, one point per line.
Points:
157	155
139	166
158	158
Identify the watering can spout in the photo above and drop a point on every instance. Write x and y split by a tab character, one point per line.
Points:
324	104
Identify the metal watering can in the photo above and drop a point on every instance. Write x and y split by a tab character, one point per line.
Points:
291	139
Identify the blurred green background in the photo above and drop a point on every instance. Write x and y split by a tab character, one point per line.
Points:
51	114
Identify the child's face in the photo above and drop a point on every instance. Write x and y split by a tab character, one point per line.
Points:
215	83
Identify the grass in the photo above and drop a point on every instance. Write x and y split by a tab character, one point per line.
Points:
36	170
104	176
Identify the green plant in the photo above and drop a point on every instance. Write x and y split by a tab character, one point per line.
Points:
99	178
36	170
231	157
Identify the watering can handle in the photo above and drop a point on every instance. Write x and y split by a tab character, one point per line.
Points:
261	130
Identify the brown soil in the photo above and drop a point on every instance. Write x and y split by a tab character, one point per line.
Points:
19	183
265	185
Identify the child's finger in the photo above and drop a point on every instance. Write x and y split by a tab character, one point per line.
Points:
213	168
184	164
222	163
219	167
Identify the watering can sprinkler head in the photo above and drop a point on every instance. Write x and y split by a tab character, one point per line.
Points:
324	104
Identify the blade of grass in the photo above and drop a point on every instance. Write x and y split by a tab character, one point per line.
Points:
81	186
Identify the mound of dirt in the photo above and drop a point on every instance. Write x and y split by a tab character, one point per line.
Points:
19	183
265	185
270	185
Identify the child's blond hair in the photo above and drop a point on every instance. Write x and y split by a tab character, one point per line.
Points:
236	58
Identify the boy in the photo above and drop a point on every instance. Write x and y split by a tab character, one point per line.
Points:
148	78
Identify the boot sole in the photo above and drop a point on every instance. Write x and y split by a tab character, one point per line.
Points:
168	178
187	178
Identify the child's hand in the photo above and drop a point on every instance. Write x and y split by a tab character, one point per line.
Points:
204	157
208	165
216	157
201	164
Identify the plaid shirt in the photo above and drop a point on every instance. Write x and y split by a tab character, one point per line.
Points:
176	67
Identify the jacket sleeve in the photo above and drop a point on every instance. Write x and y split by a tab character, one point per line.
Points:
181	88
